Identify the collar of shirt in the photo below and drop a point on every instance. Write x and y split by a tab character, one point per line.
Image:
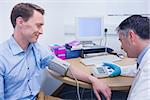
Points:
139	59
15	47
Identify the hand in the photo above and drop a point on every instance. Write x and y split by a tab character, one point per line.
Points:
117	70
99	86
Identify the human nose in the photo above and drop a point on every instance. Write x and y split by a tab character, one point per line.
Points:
41	30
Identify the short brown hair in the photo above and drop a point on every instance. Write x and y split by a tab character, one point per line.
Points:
24	10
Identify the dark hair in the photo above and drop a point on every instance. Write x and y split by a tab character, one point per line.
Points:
24	10
139	24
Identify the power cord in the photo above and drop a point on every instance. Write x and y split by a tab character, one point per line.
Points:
78	88
105	40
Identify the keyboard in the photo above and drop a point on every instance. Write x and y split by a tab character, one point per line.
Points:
92	47
99	59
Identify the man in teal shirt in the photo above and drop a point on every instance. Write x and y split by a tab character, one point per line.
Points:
22	58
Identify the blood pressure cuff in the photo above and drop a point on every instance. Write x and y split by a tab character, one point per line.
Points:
56	64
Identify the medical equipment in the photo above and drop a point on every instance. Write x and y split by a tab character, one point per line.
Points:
89	29
102	71
59	66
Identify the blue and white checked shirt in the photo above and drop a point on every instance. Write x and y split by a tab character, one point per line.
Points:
20	70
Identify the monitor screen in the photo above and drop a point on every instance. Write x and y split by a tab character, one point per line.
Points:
89	28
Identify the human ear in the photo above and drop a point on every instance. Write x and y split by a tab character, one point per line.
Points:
19	21
132	36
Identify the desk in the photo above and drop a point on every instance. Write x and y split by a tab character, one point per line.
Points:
115	83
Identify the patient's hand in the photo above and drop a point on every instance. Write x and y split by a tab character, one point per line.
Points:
100	86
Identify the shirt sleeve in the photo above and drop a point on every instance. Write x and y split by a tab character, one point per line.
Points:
46	56
1	81
52	62
129	70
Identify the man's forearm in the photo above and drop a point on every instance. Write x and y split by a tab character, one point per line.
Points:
97	85
80	74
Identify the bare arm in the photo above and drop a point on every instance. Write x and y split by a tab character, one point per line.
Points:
61	67
97	84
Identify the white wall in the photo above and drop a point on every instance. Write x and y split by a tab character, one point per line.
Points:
148	6
105	8
60	16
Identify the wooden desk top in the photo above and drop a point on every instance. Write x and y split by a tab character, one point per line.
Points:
115	83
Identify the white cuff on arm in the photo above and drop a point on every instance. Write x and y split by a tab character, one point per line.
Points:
59	66
129	70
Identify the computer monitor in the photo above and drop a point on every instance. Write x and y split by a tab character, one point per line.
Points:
89	28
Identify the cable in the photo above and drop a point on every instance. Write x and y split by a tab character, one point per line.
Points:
78	88
105	40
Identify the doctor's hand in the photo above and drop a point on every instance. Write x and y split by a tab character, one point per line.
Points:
117	70
100	86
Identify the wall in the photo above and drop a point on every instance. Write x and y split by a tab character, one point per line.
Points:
148	7
113	11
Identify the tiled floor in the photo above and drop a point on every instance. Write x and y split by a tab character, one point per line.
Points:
69	93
